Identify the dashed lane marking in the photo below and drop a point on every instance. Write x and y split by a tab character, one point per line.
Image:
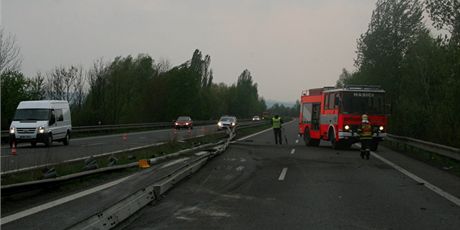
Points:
292	151
283	174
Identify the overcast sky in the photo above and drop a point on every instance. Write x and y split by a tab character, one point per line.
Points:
288	45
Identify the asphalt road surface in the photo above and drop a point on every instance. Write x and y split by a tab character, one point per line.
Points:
259	185
27	156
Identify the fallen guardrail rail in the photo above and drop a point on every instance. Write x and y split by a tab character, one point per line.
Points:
443	150
120	211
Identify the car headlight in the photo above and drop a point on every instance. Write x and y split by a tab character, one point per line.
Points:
233	124
12	130
41	130
219	124
186	123
381	128
176	123
347	127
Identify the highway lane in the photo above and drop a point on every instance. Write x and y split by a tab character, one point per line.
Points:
27	156
258	185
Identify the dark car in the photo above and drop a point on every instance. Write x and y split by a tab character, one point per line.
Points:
183	122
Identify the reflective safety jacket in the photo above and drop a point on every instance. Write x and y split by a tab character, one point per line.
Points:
276	123
366	131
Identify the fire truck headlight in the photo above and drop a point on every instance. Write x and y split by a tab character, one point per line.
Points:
347	127
381	128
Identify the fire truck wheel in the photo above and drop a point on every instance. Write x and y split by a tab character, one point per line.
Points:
308	140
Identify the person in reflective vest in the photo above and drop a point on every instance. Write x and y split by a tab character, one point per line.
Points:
365	136
276	124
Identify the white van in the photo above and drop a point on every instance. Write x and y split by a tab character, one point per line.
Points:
41	121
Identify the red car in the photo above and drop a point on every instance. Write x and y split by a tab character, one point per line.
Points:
183	122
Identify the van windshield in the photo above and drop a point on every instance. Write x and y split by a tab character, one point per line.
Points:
32	114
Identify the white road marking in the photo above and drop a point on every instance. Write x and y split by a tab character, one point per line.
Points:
239	168
292	151
174	162
255	134
283	174
202	135
417	179
427	184
57	202
297	141
93	144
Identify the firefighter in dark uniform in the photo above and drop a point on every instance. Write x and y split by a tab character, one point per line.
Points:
365	136
276	124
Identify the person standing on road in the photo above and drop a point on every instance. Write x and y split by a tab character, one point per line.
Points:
276	124
365	136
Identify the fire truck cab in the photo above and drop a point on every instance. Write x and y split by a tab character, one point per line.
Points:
334	114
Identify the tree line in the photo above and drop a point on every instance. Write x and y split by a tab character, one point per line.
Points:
134	90
419	68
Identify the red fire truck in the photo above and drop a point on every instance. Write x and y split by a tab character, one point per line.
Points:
334	114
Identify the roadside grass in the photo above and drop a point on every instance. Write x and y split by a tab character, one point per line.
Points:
436	160
250	130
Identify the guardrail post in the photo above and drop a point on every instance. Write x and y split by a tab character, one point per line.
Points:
90	163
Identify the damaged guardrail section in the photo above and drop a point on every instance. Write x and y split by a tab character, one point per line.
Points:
123	209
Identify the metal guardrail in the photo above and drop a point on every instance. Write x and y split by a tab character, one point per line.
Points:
443	150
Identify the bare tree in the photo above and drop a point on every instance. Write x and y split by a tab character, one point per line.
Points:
10	58
79	87
37	87
162	66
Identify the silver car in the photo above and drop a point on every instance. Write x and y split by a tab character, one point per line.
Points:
227	121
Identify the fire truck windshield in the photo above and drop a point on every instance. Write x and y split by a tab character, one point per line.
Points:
363	102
